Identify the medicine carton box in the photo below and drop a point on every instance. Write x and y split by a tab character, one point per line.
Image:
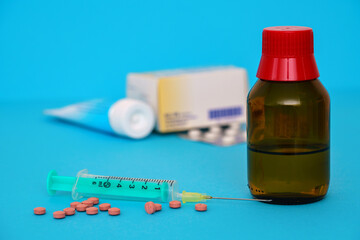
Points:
192	98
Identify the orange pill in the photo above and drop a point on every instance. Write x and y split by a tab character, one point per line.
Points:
88	203
114	211
59	214
95	200
175	204
74	204
201	207
158	207
81	207
150	207
104	206
39	210
69	211
92	210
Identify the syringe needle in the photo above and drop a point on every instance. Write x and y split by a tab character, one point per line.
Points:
243	199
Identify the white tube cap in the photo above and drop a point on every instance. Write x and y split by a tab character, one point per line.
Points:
132	118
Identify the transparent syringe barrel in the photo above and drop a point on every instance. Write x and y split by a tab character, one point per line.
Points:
137	189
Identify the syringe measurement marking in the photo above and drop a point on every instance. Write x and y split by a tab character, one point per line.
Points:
119	184
134	179
107	184
103	184
131	186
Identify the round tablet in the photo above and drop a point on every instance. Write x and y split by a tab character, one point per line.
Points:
234	125
215	129
88	203
201	207
74	204
92	210
69	211
59	214
175	204
158	207
104	206
211	137
81	207
150	207
39	210
228	140
114	211
231	132
95	200
194	134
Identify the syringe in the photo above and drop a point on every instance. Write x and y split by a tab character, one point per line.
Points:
124	188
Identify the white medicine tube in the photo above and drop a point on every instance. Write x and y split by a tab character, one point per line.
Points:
126	117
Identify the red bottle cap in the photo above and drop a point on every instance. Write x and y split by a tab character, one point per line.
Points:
287	54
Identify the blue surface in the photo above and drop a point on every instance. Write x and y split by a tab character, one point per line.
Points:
31	145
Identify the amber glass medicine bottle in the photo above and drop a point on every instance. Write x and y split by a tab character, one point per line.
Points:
288	121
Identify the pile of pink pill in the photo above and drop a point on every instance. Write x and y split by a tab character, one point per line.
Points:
88	207
84	206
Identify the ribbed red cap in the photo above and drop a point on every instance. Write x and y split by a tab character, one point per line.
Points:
287	54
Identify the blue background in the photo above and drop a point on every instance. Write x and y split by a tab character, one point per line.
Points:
84	49
55	52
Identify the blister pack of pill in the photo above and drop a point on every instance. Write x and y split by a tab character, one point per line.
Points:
226	135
